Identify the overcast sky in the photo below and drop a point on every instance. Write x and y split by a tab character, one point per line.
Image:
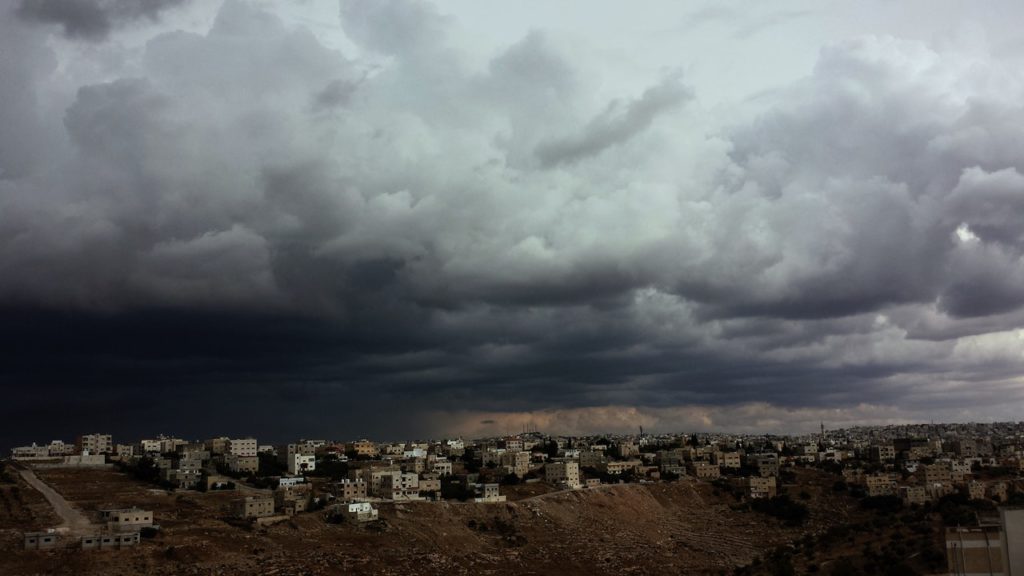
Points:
394	218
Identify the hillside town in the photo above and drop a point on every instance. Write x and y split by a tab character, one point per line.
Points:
978	466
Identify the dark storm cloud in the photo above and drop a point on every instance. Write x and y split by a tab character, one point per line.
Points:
92	19
250	217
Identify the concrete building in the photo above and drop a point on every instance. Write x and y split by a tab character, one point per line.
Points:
365	448
883	453
1012	540
430	483
400	486
442	468
149	446
253	507
292	500
126	519
913	494
937	472
971	551
975	490
244	447
761	486
517	463
40	540
591	458
487	493
110	541
967	448
727	459
563	473
242	464
59	449
94	444
182	478
28	453
616	468
359	511
300	463
706	470
217	446
349	490
880	485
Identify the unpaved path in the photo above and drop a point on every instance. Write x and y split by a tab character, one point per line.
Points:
75	522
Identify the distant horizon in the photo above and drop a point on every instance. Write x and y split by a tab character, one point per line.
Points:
610	434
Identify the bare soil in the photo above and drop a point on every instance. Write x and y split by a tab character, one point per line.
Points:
686	527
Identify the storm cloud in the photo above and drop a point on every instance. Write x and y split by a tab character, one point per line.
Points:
396	237
91	19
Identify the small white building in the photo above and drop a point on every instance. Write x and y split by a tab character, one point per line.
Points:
297	463
360	511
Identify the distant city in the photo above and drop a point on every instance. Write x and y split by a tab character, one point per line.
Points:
976	467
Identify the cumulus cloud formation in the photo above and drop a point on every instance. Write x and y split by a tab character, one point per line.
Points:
246	207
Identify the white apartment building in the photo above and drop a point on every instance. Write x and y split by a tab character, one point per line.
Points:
241	447
298	463
563	473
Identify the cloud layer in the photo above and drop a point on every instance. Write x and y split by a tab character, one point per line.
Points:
248	209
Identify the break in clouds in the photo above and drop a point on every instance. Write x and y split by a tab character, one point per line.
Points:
398	238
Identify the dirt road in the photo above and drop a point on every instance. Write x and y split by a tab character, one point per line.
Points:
75	523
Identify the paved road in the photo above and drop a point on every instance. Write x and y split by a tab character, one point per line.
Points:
75	523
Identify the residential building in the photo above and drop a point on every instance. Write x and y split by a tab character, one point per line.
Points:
883	453
242	464
184	479
563	473
487	493
442	467
706	470
253	507
727	459
880	485
430	483
591	458
244	447
300	463
126	519
400	486
359	511
761	486
94	444
913	494
364	448
292	500
32	452
517	463
348	490
618	467
975	490
218	446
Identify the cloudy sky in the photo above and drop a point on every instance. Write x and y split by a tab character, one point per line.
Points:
403	219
